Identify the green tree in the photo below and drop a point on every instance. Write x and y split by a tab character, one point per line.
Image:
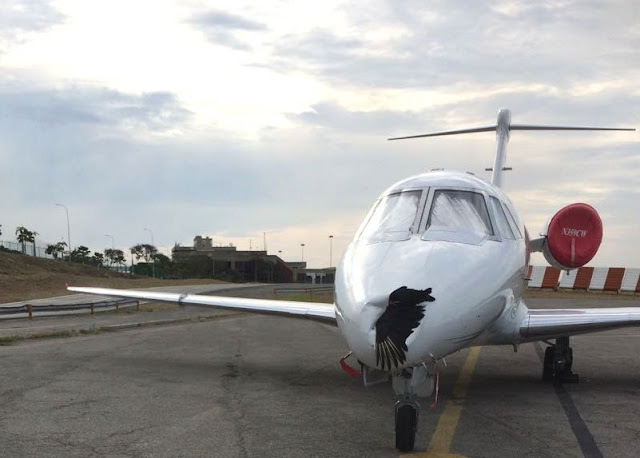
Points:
98	259
137	251
143	251
32	239
56	250
24	236
80	254
161	259
114	256
163	265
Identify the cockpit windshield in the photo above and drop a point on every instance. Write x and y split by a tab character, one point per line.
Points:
457	211
392	218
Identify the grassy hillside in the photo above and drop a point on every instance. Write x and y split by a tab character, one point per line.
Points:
25	277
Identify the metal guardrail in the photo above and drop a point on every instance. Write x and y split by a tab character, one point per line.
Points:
310	291
93	306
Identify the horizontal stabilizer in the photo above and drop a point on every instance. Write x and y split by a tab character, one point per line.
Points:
502	128
449	132
510	127
526	127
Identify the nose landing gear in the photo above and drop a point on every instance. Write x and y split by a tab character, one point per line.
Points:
406	424
558	360
409	385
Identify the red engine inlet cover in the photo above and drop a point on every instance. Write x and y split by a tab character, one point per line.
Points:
574	235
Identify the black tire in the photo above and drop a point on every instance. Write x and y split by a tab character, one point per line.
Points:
406	423
547	365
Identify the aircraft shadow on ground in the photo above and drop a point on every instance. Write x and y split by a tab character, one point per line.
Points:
500	386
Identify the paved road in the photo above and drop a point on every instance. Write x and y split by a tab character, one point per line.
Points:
84	298
56	322
248	385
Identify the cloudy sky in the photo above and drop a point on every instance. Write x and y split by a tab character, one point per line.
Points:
233	119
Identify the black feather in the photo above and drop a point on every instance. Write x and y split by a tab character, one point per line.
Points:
395	325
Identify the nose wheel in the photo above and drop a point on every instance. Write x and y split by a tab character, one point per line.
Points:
409	385
406	425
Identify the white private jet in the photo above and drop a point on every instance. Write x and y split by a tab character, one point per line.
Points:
438	265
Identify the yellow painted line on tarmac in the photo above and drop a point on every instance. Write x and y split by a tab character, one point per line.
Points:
441	440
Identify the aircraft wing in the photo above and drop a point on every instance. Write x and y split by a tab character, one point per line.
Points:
309	310
540	324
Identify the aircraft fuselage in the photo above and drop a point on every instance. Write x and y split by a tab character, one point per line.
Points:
465	241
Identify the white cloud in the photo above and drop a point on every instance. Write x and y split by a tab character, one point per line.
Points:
272	116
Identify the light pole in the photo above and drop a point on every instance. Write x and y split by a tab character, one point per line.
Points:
302	248
153	264
330	251
68	228
113	244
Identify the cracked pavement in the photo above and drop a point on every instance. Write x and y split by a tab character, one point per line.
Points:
250	385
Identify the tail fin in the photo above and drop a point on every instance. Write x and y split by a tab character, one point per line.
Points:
502	129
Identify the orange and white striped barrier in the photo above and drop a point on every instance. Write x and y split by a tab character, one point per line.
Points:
631	280
614	279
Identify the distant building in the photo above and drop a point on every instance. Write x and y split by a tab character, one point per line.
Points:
298	271
256	266
321	276
302	274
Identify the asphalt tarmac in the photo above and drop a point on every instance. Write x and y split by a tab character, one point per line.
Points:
249	385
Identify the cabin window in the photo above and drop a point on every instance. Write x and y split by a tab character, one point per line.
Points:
393	217
456	211
514	225
501	220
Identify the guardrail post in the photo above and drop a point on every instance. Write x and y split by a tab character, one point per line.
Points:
30	311
92	308
117	306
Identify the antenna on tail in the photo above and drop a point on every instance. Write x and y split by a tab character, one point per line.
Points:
502	129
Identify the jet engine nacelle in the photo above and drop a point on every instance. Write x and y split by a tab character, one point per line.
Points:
573	236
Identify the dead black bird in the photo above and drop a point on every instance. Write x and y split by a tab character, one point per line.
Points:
402	316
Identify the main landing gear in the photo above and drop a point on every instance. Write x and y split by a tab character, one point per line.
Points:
558	360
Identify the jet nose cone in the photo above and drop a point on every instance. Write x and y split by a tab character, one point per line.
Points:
377	302
383	310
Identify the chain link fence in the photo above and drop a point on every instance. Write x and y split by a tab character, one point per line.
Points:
40	251
30	249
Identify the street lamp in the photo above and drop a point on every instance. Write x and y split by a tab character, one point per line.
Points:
330	251
68	229
153	264
113	244
302	247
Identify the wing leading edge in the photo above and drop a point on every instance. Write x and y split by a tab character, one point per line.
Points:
543	324
308	310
